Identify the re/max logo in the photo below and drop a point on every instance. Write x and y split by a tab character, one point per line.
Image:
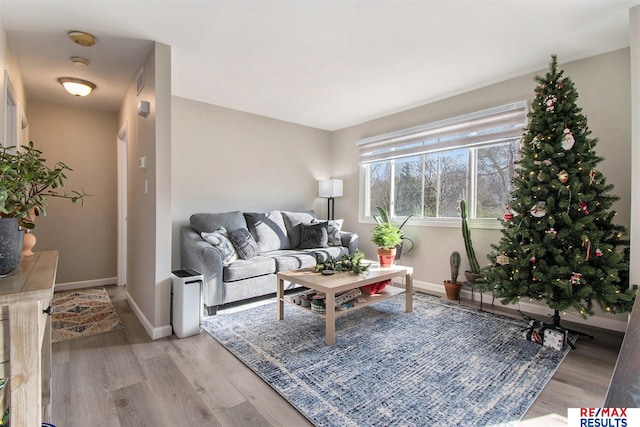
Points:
603	412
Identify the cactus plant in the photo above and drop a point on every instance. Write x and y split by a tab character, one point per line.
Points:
454	262
466	235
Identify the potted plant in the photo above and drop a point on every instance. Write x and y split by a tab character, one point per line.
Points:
473	273
452	286
25	184
382	217
386	236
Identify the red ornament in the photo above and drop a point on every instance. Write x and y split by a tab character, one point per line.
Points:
583	208
508	216
533	259
598	252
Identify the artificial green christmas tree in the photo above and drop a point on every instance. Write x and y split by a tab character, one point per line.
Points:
559	243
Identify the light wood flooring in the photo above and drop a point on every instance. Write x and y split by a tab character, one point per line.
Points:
124	378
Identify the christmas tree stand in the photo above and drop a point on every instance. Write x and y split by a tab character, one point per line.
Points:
556	323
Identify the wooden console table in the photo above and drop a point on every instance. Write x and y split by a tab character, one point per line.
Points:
25	339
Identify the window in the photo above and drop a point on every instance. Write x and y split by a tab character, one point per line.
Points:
425	171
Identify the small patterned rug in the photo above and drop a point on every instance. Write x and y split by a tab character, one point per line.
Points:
81	313
442	365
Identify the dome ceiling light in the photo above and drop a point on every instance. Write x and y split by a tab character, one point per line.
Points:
82	38
77	87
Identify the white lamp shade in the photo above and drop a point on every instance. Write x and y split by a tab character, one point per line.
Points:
77	87
330	188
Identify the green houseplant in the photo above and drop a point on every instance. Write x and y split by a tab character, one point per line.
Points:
25	184
384	217
452	286
474	271
386	236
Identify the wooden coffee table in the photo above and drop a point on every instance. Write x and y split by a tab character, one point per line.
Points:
341	282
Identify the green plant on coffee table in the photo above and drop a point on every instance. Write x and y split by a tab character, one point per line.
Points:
345	263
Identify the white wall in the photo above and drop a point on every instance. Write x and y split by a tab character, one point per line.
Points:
224	160
603	83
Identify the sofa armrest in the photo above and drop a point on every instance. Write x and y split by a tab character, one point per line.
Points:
350	240
202	257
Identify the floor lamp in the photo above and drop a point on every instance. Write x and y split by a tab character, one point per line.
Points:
330	188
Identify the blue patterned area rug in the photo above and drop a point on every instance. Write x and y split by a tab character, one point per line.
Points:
442	365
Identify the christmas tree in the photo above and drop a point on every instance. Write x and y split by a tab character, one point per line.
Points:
559	243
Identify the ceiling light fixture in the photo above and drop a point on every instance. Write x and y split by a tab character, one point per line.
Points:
79	62
77	87
82	38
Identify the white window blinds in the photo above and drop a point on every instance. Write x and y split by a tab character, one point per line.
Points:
490	126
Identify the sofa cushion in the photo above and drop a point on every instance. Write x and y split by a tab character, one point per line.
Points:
244	243
220	240
292	221
291	259
268	229
210	222
313	235
248	268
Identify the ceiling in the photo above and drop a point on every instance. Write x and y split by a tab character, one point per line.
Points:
327	64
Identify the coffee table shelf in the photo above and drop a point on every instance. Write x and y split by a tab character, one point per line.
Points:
388	292
333	285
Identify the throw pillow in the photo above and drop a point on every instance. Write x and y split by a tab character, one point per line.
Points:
244	243
219	239
292	221
313	235
268	230
333	231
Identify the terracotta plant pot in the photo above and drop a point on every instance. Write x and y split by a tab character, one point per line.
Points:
386	257
452	289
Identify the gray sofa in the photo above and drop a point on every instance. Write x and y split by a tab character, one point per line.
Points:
276	241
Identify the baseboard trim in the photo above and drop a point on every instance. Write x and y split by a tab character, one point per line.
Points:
85	284
529	307
153	332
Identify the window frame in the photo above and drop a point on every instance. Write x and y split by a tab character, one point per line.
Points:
364	174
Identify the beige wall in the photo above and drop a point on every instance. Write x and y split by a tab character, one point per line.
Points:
84	235
225	160
149	206
603	83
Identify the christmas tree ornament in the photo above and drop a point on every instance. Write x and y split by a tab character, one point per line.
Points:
550	102
552	232
502	259
533	259
586	258
540	176
583	208
592	176
563	176
599	252
535	142
559	85
575	278
539	209
547	162
567	139
508	216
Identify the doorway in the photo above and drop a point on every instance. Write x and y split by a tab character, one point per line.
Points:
122	205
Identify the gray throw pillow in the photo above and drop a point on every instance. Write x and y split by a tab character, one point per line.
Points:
333	231
292	221
313	235
244	243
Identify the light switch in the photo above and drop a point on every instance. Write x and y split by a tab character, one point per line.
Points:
142	162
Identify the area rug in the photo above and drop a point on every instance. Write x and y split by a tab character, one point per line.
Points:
441	365
81	313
